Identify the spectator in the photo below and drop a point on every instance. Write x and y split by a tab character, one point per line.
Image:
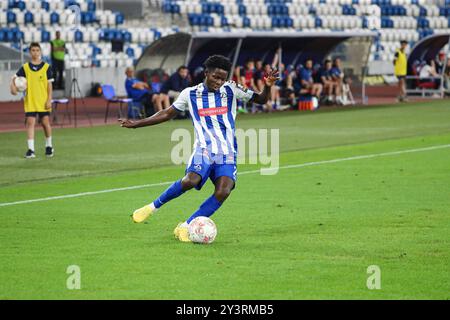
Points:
58	50
247	75
337	75
140	92
440	62
173	86
447	77
330	85
428	73
400	69
307	81
258	74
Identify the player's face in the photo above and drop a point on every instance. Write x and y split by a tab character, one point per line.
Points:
35	53
216	78
309	64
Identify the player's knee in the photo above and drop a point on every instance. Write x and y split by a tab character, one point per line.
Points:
222	194
189	182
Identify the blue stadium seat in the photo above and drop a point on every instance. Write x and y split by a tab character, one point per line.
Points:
29	17
130	52
45	36
318	22
91	6
54	18
45	5
78	36
10	17
126	36
119	18
242	10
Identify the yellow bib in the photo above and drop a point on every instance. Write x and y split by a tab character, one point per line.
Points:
400	64
37	85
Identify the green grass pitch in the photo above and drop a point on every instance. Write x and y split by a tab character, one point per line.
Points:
308	232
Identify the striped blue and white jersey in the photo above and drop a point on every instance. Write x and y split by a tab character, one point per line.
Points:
213	115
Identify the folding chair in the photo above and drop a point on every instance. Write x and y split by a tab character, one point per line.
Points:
110	95
55	103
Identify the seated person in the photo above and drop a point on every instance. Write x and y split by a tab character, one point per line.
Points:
447	77
173	86
427	72
337	75
440	62
307	81
247	75
330	85
140	92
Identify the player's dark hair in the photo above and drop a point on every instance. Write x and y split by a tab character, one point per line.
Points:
327	61
403	42
35	45
218	62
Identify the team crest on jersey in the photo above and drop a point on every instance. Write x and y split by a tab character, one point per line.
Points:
198	167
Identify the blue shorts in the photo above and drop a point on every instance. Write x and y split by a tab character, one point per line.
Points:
212	166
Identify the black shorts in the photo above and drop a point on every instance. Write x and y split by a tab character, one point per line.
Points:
35	114
401	77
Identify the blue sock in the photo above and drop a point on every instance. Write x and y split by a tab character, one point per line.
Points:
174	191
206	209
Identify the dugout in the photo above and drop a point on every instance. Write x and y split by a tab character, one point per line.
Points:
294	48
424	50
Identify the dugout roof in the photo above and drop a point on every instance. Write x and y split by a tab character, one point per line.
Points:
429	47
192	49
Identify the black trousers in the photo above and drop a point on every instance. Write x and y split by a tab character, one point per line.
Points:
58	70
146	100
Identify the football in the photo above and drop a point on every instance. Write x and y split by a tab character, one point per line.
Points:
20	83
202	230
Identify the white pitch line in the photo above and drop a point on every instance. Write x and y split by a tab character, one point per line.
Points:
307	164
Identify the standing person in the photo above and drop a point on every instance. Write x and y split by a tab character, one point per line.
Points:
400	70
212	105
38	98
58	48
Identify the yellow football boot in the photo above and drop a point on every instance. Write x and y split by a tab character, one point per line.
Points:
140	215
182	233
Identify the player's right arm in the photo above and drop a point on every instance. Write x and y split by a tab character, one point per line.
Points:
157	118
12	85
180	105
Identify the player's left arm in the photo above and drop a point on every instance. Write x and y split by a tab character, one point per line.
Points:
48	103
269	81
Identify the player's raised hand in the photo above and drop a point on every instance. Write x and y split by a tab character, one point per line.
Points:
271	77
126	123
